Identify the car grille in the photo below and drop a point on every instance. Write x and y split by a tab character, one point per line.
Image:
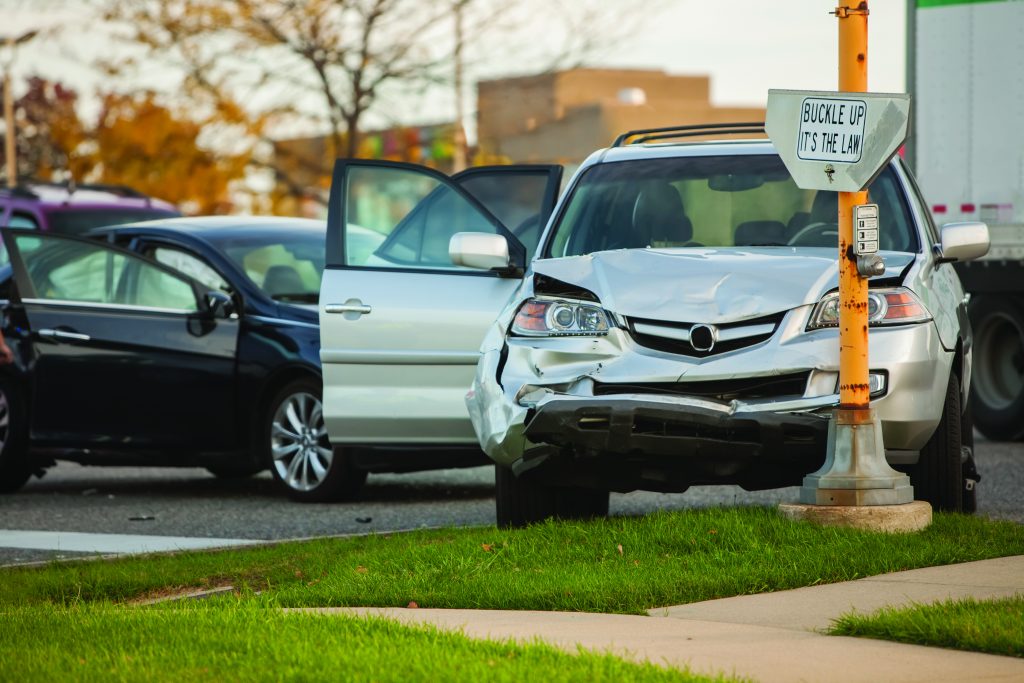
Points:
745	388
675	338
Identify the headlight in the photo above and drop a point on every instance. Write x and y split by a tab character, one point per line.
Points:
895	306
557	318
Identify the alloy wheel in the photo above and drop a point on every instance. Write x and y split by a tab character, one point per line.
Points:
298	442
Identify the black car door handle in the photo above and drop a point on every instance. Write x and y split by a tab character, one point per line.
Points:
63	335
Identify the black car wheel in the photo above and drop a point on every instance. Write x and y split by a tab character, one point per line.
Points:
524	500
300	455
938	475
15	464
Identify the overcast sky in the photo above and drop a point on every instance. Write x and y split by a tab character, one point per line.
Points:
745	46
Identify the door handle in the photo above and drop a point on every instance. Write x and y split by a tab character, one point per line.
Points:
351	306
63	335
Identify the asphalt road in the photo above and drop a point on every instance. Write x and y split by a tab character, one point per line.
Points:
191	502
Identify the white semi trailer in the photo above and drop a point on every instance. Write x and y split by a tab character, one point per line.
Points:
965	71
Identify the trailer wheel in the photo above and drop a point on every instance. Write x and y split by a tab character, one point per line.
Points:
997	386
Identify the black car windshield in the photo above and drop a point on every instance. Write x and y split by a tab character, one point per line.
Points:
285	264
78	221
714	202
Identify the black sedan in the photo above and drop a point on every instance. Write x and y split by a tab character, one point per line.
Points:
184	342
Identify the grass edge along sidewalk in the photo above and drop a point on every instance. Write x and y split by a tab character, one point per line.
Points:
990	626
248	642
619	565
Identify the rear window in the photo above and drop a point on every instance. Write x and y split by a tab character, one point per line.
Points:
724	201
77	221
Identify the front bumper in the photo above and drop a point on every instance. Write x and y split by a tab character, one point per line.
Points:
669	443
533	403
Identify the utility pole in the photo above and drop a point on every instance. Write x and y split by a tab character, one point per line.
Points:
10	149
459	161
855	486
853	288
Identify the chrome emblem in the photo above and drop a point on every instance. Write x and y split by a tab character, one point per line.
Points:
703	337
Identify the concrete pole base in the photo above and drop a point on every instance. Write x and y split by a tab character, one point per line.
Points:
855	471
893	519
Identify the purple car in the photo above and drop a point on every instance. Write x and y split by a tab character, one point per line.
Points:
72	210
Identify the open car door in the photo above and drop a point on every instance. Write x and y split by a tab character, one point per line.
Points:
400	324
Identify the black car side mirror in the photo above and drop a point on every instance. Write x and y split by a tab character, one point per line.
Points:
219	304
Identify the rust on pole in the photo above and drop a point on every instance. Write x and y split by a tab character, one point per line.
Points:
854	392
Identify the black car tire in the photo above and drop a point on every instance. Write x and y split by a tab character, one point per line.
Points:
309	439
521	501
997	390
237	471
938	476
15	460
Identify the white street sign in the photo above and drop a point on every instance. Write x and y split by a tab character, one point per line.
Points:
865	226
831	130
833	140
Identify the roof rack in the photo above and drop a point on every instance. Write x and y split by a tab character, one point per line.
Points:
648	134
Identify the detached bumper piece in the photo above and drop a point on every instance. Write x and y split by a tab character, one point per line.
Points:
629	444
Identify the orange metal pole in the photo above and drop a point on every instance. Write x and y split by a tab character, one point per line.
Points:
853	289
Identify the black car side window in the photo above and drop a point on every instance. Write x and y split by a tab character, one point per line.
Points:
190	265
73	270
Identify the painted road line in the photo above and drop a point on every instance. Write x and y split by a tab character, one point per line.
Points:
121	544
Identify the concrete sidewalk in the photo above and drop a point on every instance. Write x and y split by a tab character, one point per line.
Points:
768	637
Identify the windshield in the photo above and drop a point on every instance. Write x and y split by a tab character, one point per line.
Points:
286	265
78	221
720	201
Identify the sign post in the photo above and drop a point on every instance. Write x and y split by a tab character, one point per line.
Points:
840	141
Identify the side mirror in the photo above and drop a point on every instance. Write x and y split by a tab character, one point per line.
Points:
479	250
219	304
963	241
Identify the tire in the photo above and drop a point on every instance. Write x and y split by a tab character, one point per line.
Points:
239	471
997	385
938	475
15	461
521	501
297	449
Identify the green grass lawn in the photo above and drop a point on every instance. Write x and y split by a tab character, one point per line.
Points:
993	626
625	565
250	643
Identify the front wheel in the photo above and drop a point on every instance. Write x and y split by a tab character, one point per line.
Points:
938	476
299	452
520	501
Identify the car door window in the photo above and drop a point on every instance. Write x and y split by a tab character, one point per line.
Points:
73	270
521	197
402	218
22	221
190	265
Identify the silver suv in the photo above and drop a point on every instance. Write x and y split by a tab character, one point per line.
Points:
675	325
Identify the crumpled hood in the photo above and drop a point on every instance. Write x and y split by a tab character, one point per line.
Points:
706	285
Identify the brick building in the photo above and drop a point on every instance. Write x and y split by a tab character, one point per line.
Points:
563	116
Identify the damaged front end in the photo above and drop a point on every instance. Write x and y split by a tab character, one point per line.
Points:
619	407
